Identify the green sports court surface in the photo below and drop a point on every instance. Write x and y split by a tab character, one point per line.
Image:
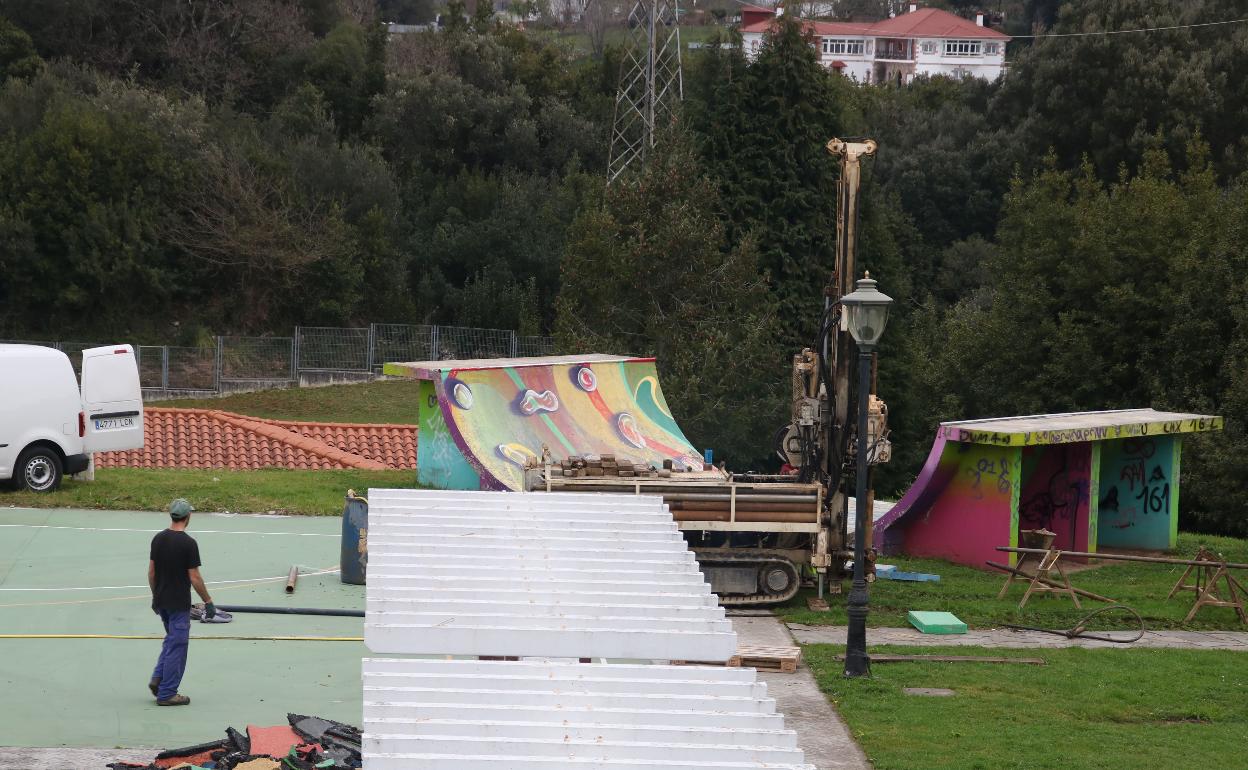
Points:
85	572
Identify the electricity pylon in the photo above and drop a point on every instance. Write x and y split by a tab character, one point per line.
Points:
651	83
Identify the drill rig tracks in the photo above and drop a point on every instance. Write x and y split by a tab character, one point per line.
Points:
752	538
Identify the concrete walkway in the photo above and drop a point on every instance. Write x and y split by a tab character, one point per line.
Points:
1004	637
821	734
67	759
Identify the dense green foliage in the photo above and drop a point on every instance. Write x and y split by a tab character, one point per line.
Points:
1069	237
246	166
654	272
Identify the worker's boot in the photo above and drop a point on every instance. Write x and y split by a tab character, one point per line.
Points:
174	700
154	685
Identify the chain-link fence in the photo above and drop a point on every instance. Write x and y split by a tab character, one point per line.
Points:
402	342
314	354
166	368
334	349
257	358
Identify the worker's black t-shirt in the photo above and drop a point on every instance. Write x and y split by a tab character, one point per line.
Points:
174	552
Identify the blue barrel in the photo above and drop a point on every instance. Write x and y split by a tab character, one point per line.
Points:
355	541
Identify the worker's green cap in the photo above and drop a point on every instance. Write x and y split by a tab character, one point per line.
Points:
180	508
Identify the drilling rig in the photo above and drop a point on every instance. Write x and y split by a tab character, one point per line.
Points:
757	536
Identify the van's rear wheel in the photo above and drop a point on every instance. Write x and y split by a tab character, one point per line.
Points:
39	469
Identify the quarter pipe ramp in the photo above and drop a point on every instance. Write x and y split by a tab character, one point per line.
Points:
483	420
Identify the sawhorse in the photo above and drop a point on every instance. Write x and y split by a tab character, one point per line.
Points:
1211	569
1042	581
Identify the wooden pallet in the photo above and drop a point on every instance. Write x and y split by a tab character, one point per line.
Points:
761	657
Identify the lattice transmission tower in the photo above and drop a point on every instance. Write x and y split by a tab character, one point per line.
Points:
651	83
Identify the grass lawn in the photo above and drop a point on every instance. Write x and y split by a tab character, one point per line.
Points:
317	493
971	594
1084	709
578	40
386	401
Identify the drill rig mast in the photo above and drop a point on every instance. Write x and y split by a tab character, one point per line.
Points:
754	534
819	441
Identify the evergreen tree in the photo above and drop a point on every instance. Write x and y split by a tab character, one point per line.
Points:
766	127
653	272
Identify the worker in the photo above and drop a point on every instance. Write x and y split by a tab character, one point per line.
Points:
173	569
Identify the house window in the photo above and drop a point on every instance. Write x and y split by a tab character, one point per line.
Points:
929	46
962	48
992	49
834	45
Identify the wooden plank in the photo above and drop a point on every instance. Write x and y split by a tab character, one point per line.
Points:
762	657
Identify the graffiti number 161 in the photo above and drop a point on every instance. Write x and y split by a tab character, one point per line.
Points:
1154	499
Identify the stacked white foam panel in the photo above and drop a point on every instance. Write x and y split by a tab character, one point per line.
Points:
500	573
566	576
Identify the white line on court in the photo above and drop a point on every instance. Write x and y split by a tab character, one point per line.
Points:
209	582
193	532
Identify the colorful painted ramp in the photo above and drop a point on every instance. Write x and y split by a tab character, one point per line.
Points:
482	421
1108	479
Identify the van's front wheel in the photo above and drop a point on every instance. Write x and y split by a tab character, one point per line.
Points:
39	469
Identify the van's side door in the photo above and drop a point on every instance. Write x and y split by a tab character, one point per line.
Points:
112	399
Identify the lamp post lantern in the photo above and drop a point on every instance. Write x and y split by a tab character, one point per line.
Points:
866	314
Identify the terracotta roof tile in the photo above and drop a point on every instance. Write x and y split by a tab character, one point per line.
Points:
923	23
209	438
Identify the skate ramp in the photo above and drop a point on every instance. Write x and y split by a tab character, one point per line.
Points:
1109	478
483	420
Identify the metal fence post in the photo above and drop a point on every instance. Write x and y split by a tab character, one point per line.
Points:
164	367
216	369
433	343
515	345
294	356
372	341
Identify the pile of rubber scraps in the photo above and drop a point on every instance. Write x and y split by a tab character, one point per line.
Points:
306	743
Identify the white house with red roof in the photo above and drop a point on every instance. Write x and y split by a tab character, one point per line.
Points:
925	41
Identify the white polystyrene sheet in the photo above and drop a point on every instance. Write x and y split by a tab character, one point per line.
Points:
543	715
565	576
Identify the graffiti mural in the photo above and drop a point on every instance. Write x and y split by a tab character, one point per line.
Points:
972	515
496	419
1056	493
1093	478
1137	494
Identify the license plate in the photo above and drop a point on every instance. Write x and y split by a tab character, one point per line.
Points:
114	423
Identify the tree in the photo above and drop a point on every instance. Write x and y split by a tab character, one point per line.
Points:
1113	97
764	129
653	272
18	58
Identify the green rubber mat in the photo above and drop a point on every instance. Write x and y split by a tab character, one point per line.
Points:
936	622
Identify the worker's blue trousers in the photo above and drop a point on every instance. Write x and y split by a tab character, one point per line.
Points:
172	662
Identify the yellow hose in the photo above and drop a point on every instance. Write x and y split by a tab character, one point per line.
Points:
159	638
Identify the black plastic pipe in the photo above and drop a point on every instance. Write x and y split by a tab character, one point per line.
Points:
291	610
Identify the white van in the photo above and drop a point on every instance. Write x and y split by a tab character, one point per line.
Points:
48	428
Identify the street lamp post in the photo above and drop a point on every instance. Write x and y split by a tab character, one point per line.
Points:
866	314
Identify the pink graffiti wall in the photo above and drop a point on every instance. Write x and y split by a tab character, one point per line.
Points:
1057	479
972	515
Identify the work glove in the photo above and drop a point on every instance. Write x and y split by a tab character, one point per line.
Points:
210	611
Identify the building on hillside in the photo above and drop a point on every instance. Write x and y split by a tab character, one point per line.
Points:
925	41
